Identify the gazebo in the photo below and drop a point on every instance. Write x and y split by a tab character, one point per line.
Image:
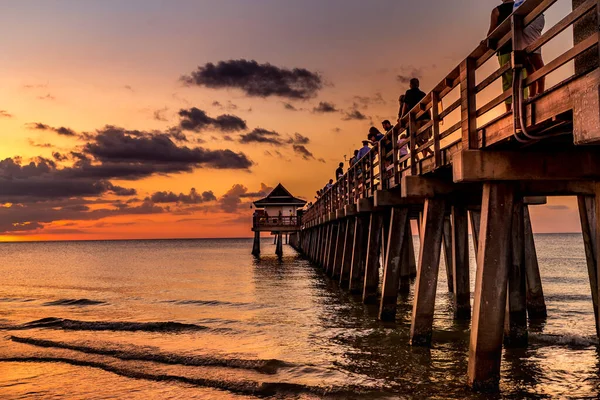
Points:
276	213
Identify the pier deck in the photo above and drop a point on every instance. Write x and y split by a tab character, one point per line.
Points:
472	161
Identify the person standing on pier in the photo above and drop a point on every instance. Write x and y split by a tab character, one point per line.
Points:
499	15
534	61
412	97
339	173
364	150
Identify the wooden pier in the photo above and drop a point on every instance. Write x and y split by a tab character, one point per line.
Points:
466	170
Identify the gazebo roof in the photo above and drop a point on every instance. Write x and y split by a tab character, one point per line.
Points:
279	196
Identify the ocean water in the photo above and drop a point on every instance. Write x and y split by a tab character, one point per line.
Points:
203	319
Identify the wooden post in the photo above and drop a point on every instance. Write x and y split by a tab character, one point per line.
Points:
411	261
393	261
412	130
373	254
447	246
536	305
493	260
468	106
435	128
339	249
359	254
515	324
279	249
475	217
427	274
256	244
331	249
326	238
588	212
460	262
347	252
275	238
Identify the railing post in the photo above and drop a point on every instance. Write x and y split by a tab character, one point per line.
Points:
468	106
372	171
395	136
381	155
435	128
412	130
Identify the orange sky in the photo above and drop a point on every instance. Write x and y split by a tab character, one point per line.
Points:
85	65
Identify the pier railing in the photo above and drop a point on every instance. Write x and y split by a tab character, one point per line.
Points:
262	221
465	115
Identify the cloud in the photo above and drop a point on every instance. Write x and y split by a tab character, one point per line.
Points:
257	80
197	120
325	107
299	139
5	114
260	135
231	201
159	115
128	87
61	130
229	106
366	101
192	198
303	152
156	152
354	115
289	106
48	96
337	130
407	73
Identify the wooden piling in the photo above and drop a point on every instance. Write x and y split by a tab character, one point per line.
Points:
397	236
536	305
493	261
359	254
373	253
411	259
256	244
347	252
279	249
515	322
339	250
460	262
475	217
331	249
588	213
429	259
447	246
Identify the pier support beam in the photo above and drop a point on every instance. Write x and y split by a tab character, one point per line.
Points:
397	236
493	261
447	246
515	324
279	248
536	305
460	262
331	246
339	249
410	255
475	217
359	254
588	212
427	275
347	252
373	254
256	244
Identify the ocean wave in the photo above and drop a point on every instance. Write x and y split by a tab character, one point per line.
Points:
263	389
263	366
76	325
215	303
15	300
576	341
74	302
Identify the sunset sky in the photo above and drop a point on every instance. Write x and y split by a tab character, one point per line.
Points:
136	118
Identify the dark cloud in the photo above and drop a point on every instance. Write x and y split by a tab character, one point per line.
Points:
128	87
303	152
260	135
192	198
5	114
299	139
231	201
197	120
259	80
289	106
354	115
151	150
61	130
325	107
59	157
229	106
337	130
